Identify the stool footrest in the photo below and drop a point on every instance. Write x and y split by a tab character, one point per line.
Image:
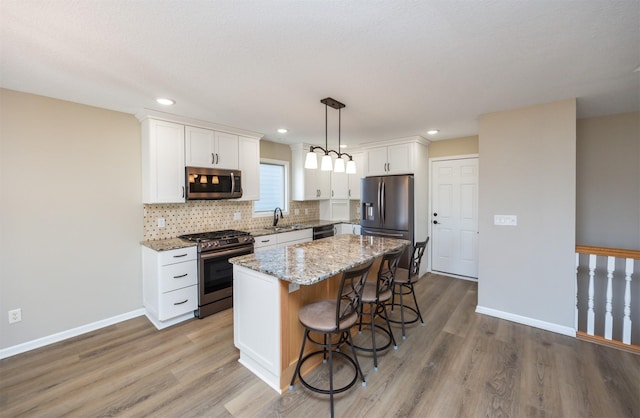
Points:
327	391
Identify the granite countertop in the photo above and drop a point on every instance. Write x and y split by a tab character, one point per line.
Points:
168	244
176	243
304	225
314	261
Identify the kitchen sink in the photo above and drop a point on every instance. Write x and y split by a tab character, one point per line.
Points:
288	227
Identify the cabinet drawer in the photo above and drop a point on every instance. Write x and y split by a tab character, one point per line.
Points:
177	276
298	235
265	241
178	302
178	256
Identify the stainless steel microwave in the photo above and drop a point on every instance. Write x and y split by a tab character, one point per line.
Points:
213	183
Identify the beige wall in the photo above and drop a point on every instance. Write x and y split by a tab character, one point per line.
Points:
275	151
456	146
528	169
71	215
608	181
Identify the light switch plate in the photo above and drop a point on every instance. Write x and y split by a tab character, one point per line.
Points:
160	222
505	220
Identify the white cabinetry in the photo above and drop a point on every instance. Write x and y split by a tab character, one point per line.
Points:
264	242
249	165
354	179
169	285
391	159
283	239
308	184
339	185
162	162
348	229
211	149
294	237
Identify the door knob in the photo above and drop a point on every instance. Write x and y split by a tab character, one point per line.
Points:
435	213
435	222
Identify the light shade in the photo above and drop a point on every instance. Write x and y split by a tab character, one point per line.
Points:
326	164
339	165
351	167
311	161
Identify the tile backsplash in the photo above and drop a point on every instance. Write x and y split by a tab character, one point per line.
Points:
212	215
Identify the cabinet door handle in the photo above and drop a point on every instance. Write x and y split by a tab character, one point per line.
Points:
217	158
180	255
349	192
181	276
213	158
183	191
331	193
180	303
266	240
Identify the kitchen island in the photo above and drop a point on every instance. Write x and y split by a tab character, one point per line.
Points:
270	287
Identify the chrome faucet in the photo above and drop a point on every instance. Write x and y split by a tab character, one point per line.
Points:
275	216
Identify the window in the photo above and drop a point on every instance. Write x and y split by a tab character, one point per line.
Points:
274	185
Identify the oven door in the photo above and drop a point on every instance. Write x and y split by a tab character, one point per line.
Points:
216	274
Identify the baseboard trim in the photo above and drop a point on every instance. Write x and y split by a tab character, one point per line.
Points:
536	323
74	332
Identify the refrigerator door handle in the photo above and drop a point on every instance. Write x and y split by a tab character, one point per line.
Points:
379	202
381	234
384	203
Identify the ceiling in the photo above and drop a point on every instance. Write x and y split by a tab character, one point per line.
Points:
401	68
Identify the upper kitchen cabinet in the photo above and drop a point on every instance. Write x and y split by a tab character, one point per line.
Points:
170	143
250	167
211	149
397	157
308	184
162	162
354	179
339	184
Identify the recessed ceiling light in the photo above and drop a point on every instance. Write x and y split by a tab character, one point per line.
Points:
164	101
343	146
433	132
282	131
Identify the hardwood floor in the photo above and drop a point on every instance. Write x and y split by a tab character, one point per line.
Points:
461	364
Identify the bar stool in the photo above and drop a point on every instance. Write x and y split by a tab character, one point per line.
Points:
403	286
334	317
376	295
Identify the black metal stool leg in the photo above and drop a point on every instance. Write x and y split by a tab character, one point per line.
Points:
413	291
297	371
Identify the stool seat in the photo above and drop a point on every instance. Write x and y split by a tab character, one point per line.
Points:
369	294
321	317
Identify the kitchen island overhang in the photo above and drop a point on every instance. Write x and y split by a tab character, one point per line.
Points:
270	287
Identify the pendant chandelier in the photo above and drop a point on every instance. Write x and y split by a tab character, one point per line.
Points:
326	164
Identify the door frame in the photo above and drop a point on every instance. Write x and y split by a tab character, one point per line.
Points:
430	218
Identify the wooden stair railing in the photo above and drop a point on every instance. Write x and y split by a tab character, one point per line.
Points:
611	254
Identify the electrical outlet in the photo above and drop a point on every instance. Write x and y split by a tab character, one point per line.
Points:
296	211
237	216
15	315
160	222
293	287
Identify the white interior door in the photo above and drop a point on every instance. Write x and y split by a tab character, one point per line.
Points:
455	217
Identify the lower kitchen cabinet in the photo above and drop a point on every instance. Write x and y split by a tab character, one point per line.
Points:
169	285
283	239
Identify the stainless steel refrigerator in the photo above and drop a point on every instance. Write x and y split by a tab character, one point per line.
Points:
387	209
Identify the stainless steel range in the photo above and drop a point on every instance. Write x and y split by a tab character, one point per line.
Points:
215	273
